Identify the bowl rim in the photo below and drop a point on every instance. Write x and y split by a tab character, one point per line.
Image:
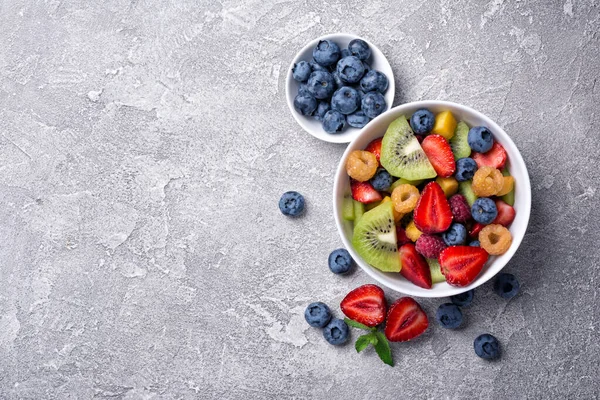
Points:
353	132
524	211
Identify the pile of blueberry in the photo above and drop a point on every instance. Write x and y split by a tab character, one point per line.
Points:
338	87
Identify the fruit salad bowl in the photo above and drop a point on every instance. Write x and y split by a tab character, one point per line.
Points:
515	166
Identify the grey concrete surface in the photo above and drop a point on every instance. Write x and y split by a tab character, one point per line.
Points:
143	149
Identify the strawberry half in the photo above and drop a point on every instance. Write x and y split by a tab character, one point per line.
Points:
401	237
364	192
405	321
475	229
495	157
414	267
375	148
461	264
438	151
365	304
506	213
432	213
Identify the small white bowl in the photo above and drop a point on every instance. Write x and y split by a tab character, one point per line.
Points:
311	125
515	165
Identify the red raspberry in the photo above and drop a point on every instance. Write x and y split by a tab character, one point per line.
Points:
401	236
430	246
460	208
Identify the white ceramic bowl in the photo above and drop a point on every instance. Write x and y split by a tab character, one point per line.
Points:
515	164
311	125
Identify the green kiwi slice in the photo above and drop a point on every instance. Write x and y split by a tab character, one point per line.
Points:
508	198
458	143
436	271
466	190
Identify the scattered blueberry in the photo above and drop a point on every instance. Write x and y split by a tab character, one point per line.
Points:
449	316
337	79
487	346
334	121
359	49
374	81
357	119
464	299
305	103
382	180
321	84
301	71
484	210
422	121
373	104
326	53
465	169
345	53
317	314
345	100
351	69
336	332
506	285
475	243
455	235
340	261
322	108
291	204
317	67
480	139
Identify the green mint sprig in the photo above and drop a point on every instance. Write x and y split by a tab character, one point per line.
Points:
374	337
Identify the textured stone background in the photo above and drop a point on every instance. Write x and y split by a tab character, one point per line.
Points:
144	146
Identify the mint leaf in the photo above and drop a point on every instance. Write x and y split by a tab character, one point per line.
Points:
382	347
364	341
357	325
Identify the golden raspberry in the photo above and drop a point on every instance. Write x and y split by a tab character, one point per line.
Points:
361	165
487	181
507	186
495	239
405	198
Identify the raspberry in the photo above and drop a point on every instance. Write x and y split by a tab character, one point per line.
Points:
507	186
460	208
405	198
495	239
361	165
430	246
487	181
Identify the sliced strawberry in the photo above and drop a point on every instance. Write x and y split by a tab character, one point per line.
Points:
495	157
438	151
375	148
365	304
405	321
401	237
475	229
414	266
461	264
432	213
506	213
364	192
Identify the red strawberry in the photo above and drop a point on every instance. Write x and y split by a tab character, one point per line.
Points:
432	213
405	321
401	236
375	148
365	304
438	151
461	264
414	266
475	229
506	213
495	157
364	192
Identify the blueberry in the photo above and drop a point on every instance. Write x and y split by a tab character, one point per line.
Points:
422	121
487	346
334	121
361	94
374	81
336	332
464	299
475	243
480	139
373	104
326	53
465	169
337	79
322	109
340	261
303	89
305	103
359	49
301	71
456	235
321	84
291	204
316	67
484	210
367	67
317	314
345	53
351	69
345	100
357	119
506	285
382	180
449	316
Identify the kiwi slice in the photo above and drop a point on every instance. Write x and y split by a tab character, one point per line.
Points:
359	210
465	189
375	238
458	143
402	155
348	208
508	198
402	181
436	271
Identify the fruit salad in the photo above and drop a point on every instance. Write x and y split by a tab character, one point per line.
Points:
432	199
